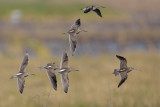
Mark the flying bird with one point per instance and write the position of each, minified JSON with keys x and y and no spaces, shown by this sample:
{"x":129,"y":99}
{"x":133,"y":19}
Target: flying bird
{"x":94,"y":8}
{"x":51,"y":67}
{"x":64,"y":70}
{"x":75,"y":28}
{"x":21,"y":74}
{"x":123,"y":70}
{"x":72,"y":32}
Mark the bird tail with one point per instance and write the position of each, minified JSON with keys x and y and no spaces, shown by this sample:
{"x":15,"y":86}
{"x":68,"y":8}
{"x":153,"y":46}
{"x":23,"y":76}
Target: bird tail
{"x":83,"y":30}
{"x":14,"y":76}
{"x":136,"y":69}
{"x":42,"y":68}
{"x":116,"y":72}
{"x":103,"y":7}
{"x":100,"y":6}
{"x":66,"y":33}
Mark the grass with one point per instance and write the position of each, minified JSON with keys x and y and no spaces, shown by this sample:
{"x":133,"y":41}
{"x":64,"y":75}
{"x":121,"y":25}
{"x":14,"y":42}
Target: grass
{"x":93,"y":85}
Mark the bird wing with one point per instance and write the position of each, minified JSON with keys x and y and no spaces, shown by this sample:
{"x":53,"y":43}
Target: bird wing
{"x":123,"y":62}
{"x":64,"y":60}
{"x":76,"y":24}
{"x":24,"y":63}
{"x":52,"y":78}
{"x":123,"y":76}
{"x":98,"y":12}
{"x":87,"y":9}
{"x":73,"y":43}
{"x":20,"y":83}
{"x":65,"y":81}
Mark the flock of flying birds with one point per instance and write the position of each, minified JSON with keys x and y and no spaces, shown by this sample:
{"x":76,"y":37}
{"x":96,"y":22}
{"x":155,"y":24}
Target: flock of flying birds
{"x":63,"y":70}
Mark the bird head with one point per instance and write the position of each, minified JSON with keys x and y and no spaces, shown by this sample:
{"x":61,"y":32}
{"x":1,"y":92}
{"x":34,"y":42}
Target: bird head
{"x":28,"y":74}
{"x":42,"y":68}
{"x":71,"y":69}
{"x":131,"y":68}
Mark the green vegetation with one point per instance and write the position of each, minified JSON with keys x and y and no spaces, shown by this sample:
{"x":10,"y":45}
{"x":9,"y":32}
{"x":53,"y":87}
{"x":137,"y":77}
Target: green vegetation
{"x":45,"y":10}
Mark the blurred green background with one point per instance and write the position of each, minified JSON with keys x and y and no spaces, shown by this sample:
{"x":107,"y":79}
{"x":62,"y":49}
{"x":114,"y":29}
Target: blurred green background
{"x":128,"y":28}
